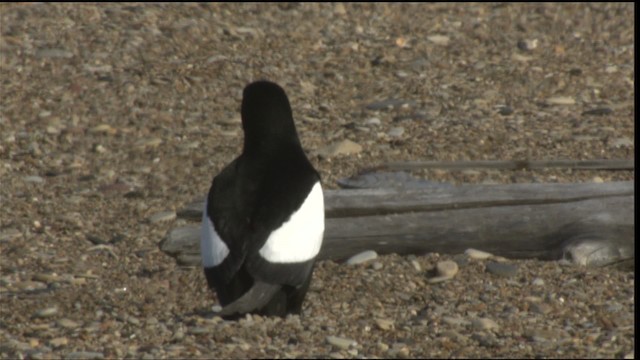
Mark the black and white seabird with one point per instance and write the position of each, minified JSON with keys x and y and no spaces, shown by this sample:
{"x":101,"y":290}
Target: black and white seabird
{"x":263,"y":219}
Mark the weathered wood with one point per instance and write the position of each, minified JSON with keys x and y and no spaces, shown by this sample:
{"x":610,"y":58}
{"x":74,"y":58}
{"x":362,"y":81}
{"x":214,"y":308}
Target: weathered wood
{"x":616,"y":164}
{"x":591,"y":223}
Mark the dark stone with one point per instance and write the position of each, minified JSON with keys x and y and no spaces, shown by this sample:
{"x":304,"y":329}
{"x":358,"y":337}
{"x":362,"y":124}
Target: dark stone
{"x":500,"y":269}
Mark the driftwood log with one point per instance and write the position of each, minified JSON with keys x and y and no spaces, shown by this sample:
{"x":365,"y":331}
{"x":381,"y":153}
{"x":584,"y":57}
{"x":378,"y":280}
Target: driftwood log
{"x":589,"y":223}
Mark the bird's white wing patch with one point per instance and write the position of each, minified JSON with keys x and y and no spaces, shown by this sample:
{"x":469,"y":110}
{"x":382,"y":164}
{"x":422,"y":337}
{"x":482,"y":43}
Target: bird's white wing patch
{"x":299,"y":238}
{"x":212,"y":249}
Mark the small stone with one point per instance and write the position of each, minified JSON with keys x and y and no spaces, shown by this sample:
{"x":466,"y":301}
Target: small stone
{"x":9,"y":234}
{"x":501,"y":269}
{"x":541,"y":308}
{"x":34,"y":179}
{"x":396,"y":132}
{"x":377,"y":265}
{"x":484,"y":324}
{"x":196,"y":330}
{"x":362,"y":257}
{"x":538,"y":282}
{"x":339,"y":9}
{"x":521,"y":58}
{"x":29,"y":285}
{"x":446,"y":270}
{"x":382,"y":346}
{"x":505,"y":110}
{"x":528,"y":45}
{"x":384,"y":324}
{"x":455,"y":321}
{"x":438,"y":39}
{"x":46,"y":278}
{"x":340,"y":342}
{"x":344,"y":147}
{"x":58,"y":342}
{"x":561,"y":100}
{"x":89,"y":355}
{"x":597,"y":180}
{"x":67,"y":324}
{"x":162,"y":216}
{"x":389,"y":104}
{"x":47,"y":312}
{"x":373,"y":122}
{"x":103,"y":128}
{"x":601,"y":111}
{"x":477,"y":254}
{"x":416,"y":265}
{"x":148,"y":143}
{"x":53,"y":53}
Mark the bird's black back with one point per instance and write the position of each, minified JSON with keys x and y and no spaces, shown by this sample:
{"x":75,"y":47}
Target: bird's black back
{"x":254,"y":195}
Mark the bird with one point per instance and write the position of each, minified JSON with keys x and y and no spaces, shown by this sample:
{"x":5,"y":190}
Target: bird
{"x":263,"y":218}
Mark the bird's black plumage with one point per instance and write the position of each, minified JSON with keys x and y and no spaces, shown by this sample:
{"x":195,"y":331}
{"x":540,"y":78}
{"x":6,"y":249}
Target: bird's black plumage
{"x":251,"y":198}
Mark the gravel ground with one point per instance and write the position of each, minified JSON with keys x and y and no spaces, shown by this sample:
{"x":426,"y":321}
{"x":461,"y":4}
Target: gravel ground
{"x":112,"y":117}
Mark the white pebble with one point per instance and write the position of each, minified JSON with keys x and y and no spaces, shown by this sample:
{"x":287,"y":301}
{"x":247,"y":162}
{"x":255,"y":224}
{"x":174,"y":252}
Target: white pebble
{"x":477,"y":254}
{"x":538,"y":282}
{"x":340,"y":342}
{"x":362,"y":257}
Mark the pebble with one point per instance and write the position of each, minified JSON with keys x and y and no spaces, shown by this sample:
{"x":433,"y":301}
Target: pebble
{"x":446,"y":270}
{"x":541,"y":308}
{"x":505,"y":110}
{"x":196,"y":330}
{"x":455,"y":321}
{"x":396,"y":132}
{"x":46,"y":278}
{"x":344,"y":147}
{"x":9,"y":234}
{"x":438,"y":39}
{"x":84,"y":355}
{"x":67,"y":323}
{"x":53,"y":53}
{"x":477,"y":254}
{"x":501,"y":269}
{"x":561,"y":100}
{"x":162,"y":216}
{"x":377,"y":265}
{"x":389,"y":104}
{"x":29,"y":285}
{"x":47,"y":312}
{"x":538,"y":282}
{"x":484,"y":324}
{"x":416,"y":265}
{"x":59,"y":342}
{"x":34,"y":179}
{"x":362,"y":257}
{"x":601,"y":111}
{"x":384,"y":324}
{"x":528,"y":45}
{"x":373,"y":122}
{"x":340,"y":342}
{"x":382,"y":346}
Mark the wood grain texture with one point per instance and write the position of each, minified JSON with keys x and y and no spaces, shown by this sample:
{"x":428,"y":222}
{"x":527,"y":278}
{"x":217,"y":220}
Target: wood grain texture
{"x":590,"y":223}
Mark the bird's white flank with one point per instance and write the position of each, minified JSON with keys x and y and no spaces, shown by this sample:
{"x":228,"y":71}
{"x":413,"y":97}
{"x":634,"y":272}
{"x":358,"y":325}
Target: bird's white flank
{"x":212,"y":249}
{"x":299,"y":238}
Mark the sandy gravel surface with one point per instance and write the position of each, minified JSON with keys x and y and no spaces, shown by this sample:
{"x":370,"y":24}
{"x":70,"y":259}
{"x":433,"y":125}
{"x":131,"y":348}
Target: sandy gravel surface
{"x":112,"y":117}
